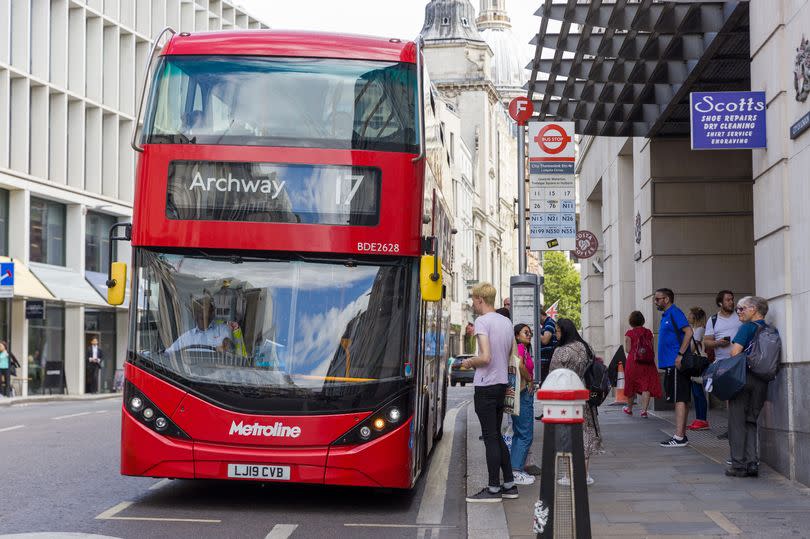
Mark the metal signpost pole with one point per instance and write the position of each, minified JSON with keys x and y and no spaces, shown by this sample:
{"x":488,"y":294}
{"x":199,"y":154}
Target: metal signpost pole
{"x":521,"y":198}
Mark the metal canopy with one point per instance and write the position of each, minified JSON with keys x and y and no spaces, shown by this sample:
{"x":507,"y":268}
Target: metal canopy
{"x":626,"y":67}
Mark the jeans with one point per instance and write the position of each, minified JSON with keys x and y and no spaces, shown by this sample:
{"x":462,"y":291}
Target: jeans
{"x":523,"y":426}
{"x":488,"y":401}
{"x":699,"y":397}
{"x":743,"y":412}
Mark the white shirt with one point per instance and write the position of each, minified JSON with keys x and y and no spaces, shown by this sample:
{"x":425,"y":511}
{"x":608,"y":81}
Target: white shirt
{"x":212,"y":336}
{"x":726,"y":327}
{"x":95,"y":351}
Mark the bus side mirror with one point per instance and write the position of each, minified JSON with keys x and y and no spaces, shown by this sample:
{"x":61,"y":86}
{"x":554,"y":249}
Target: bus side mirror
{"x":117,"y":283}
{"x":430,"y":278}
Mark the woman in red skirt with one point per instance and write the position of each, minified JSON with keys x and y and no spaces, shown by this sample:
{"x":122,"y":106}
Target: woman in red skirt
{"x":640,"y":373}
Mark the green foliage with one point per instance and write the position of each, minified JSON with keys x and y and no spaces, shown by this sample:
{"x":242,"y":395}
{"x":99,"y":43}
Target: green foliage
{"x":562,"y":283}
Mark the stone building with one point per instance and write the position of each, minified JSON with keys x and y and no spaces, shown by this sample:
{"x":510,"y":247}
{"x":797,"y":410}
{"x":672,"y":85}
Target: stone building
{"x":693,"y":221}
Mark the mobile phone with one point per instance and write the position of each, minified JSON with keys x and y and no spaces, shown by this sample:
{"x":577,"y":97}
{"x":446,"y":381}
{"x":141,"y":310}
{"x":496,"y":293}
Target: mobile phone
{"x":727,"y":338}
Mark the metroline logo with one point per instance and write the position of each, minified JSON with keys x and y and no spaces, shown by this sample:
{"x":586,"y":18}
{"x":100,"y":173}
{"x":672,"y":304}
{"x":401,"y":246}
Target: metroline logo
{"x":277,"y":430}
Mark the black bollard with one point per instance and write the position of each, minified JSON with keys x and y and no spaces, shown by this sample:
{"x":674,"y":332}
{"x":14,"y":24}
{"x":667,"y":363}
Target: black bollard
{"x":562,"y":509}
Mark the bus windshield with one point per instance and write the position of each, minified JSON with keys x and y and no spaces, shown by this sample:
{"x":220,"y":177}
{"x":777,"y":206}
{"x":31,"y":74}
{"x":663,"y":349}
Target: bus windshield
{"x":273,"y":335}
{"x":290,"y":102}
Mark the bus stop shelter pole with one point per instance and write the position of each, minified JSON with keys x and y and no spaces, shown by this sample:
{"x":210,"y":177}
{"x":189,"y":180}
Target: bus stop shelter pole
{"x":521,"y":197}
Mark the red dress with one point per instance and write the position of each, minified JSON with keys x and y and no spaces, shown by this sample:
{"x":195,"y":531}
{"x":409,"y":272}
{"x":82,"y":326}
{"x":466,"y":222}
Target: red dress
{"x":640,"y":377}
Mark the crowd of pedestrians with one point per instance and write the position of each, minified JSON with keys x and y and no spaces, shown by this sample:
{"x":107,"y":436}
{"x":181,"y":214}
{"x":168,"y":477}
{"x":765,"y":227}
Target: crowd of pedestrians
{"x":498,"y":342}
{"x":722,"y":336}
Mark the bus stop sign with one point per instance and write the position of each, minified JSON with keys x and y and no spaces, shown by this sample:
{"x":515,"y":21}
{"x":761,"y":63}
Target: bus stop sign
{"x":7,"y":280}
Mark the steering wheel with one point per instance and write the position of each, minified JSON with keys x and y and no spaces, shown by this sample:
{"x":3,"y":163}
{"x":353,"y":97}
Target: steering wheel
{"x":198,"y":347}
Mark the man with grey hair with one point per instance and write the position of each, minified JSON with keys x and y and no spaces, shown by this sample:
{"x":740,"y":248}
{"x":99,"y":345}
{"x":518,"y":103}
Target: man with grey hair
{"x":744,"y":408}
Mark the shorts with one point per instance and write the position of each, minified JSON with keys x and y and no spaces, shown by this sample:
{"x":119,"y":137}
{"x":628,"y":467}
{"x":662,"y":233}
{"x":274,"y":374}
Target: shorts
{"x":677,"y":387}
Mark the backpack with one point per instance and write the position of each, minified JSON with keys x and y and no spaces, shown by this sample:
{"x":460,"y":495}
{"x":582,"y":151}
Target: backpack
{"x":596,"y":381}
{"x":644,"y":350}
{"x":764,"y":352}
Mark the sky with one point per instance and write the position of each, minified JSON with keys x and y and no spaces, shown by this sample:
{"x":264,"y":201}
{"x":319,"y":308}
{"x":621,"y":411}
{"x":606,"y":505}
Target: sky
{"x":387,"y":18}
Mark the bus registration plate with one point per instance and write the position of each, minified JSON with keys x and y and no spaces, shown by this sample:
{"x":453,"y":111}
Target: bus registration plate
{"x":254,"y":471}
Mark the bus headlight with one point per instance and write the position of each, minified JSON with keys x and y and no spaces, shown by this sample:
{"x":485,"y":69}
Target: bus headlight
{"x":365,"y":433}
{"x":136,"y":404}
{"x":148,"y":414}
{"x":394,"y":415}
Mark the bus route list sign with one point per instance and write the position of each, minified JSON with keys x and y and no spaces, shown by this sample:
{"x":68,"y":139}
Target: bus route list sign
{"x":552,"y":186}
{"x":728,"y":120}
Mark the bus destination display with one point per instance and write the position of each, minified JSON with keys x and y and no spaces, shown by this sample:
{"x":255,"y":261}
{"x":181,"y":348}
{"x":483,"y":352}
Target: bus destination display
{"x":273,"y":193}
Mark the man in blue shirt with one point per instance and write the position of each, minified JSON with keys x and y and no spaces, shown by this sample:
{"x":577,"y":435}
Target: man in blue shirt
{"x":674,"y":339}
{"x":548,"y":342}
{"x":745,"y":406}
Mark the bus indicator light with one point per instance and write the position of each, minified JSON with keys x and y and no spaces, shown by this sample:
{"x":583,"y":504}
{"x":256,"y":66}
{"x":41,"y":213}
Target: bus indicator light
{"x":379,"y":423}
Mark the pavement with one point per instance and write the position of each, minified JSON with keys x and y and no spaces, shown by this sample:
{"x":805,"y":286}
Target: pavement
{"x":644,"y":490}
{"x":11,"y":401}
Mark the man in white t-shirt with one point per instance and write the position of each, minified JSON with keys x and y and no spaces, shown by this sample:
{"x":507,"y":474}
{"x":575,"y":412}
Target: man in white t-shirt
{"x":496,"y":344}
{"x":722,"y":327}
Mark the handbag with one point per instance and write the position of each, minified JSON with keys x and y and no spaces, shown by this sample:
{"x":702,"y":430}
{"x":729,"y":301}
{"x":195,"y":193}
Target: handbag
{"x":511,"y":402}
{"x":726,"y":377}
{"x":692,"y":363}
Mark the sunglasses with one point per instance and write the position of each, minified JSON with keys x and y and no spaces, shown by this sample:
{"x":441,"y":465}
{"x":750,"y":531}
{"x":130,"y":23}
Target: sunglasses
{"x":740,"y":308}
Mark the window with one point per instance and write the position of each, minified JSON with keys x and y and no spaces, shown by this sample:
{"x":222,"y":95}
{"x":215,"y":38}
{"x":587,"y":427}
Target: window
{"x":316,"y":103}
{"x":46,"y":351}
{"x":465,"y":22}
{"x":452,"y":146}
{"x":3,"y":222}
{"x":97,"y":238}
{"x":47,"y":232}
{"x":445,"y":21}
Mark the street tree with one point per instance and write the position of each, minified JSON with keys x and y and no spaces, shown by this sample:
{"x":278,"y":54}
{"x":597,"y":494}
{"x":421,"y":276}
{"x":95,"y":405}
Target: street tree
{"x":562,"y":283}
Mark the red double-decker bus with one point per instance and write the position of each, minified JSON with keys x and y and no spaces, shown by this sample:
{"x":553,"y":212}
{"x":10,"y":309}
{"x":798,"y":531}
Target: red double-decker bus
{"x":289,"y":238}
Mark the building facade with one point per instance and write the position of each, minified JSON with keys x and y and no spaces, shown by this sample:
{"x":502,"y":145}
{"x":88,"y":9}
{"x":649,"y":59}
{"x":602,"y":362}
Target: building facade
{"x":70,"y":77}
{"x":702,"y":221}
{"x":462,"y":64}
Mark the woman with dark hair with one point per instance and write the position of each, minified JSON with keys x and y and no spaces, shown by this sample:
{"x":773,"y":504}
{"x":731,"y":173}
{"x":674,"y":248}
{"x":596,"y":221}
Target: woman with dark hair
{"x":574,"y":353}
{"x":523,"y":424}
{"x":8,"y":366}
{"x":640,"y":372}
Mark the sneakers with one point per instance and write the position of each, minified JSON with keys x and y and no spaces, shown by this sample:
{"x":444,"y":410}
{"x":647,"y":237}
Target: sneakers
{"x":510,"y":493}
{"x":723,"y":436}
{"x":736,"y":472}
{"x":644,"y":414}
{"x":672,"y":442}
{"x":590,"y":481}
{"x":532,"y":469}
{"x":485,"y":496}
{"x":522,"y":478}
{"x":626,"y":410}
{"x":699,"y":424}
{"x":564,"y":481}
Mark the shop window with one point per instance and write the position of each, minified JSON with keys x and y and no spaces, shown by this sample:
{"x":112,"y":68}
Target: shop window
{"x":97,"y":241}
{"x":46,"y":352}
{"x":47,"y":232}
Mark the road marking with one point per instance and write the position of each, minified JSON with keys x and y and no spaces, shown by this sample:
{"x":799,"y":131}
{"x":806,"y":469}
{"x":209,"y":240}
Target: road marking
{"x":112,"y":512}
{"x":71,"y":415}
{"x":431,"y":507}
{"x":160,"y":484}
{"x":721,"y":520}
{"x":15,"y":427}
{"x":281,"y":531}
{"x":102,"y":412}
{"x":409,"y":526}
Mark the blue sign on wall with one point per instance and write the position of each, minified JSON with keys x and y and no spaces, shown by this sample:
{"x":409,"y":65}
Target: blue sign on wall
{"x":728,"y":120}
{"x":7,"y":280}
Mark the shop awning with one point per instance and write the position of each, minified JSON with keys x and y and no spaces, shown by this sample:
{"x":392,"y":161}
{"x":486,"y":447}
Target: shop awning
{"x":67,"y":285}
{"x":99,"y":283}
{"x":26,"y":285}
{"x":626,"y":67}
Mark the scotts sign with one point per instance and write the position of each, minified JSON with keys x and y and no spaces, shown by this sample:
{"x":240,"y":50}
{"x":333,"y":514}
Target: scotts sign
{"x":551,"y":148}
{"x":728,"y":120}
